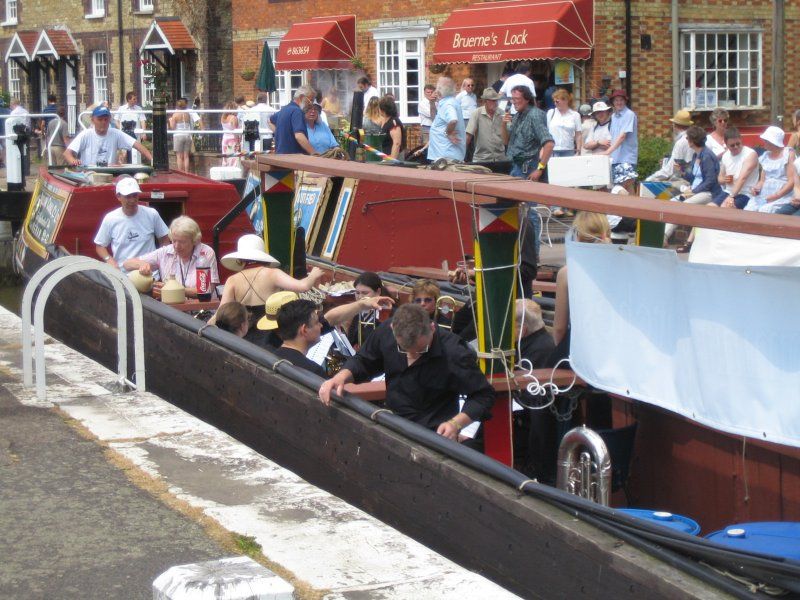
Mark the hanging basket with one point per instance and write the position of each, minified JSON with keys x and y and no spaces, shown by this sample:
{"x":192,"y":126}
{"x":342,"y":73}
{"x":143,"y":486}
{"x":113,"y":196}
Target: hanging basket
{"x":437,"y":69}
{"x":247,"y":75}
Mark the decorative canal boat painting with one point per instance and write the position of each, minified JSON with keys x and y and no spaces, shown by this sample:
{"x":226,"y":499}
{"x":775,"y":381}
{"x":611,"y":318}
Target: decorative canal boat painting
{"x":375,"y":217}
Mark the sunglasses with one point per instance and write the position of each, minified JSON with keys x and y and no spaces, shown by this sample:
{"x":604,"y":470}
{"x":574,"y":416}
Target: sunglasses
{"x":401,"y":351}
{"x":424,"y":300}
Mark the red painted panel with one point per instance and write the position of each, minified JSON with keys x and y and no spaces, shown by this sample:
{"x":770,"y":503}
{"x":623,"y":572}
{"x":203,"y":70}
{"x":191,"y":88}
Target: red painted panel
{"x":403,"y":225}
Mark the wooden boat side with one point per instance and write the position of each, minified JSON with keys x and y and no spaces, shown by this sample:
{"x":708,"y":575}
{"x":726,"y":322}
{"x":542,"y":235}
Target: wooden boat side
{"x":522,"y":543}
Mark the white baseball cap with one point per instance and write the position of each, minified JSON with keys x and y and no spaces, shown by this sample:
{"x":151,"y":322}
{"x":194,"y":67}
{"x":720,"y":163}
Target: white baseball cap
{"x":127,"y":186}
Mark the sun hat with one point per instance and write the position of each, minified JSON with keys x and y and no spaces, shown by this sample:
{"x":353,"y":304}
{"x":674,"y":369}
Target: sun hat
{"x":101,"y":111}
{"x":127,"y":186}
{"x":682,"y":117}
{"x":773,"y":135}
{"x":249,"y":104}
{"x":490,"y":94}
{"x":620,"y":93}
{"x":249,"y":248}
{"x":600,"y":107}
{"x":585,"y":110}
{"x":273,"y":304}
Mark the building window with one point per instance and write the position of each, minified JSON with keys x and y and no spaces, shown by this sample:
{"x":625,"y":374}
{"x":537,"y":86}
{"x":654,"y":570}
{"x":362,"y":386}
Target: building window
{"x":98,"y":8}
{"x":286,"y":82}
{"x":721,"y":68}
{"x":14,"y":85}
{"x":401,"y":63}
{"x":148,"y":83}
{"x":11,"y":12}
{"x":100,"y":76}
{"x":146,"y":5}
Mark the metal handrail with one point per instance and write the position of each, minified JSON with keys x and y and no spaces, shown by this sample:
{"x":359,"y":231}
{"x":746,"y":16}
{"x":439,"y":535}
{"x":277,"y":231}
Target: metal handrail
{"x":53,"y":272}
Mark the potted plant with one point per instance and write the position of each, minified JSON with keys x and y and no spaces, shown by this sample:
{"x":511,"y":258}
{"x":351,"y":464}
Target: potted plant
{"x":436,"y":69}
{"x":247,"y":74}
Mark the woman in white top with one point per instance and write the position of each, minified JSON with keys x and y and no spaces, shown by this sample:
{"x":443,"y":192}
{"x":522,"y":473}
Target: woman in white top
{"x":715,"y":141}
{"x":564,"y":125}
{"x":181,"y":142}
{"x":599,"y":138}
{"x":775,"y":186}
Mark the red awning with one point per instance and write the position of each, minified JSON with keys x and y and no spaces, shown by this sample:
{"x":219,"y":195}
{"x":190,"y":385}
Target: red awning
{"x":321,"y":43}
{"x":517,"y":30}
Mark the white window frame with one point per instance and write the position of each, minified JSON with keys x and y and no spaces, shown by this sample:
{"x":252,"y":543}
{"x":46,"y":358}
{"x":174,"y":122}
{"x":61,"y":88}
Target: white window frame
{"x":148,"y":86}
{"x":11,"y":12}
{"x":99,"y":76}
{"x":146,"y":6}
{"x":98,"y":9}
{"x":14,"y":79}
{"x":386,"y":35}
{"x":732,"y":45}
{"x":286,"y":82}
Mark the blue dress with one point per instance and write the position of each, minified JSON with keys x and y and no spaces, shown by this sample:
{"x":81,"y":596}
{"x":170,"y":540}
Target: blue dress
{"x":774,"y":179}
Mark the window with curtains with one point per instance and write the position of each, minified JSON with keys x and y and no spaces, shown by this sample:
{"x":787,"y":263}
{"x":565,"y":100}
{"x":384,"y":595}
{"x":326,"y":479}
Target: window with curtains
{"x":401,"y":67}
{"x":100,"y":75}
{"x":14,"y":84}
{"x":721,"y":67}
{"x":11,"y":12}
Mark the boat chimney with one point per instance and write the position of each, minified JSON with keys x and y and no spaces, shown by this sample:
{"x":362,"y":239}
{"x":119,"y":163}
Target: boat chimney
{"x":160,"y":144}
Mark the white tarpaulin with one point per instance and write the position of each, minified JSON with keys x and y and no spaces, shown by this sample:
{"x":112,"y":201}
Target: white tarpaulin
{"x":717,"y":344}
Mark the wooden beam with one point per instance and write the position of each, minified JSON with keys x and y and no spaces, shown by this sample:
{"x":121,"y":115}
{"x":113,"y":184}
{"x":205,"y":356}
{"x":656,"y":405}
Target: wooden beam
{"x":501,"y":186}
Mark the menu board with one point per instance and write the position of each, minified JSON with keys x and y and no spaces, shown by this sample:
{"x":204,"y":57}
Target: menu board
{"x":48,"y":206}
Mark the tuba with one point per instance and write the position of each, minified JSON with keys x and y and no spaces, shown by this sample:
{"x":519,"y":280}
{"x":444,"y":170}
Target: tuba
{"x":584,"y":465}
{"x":446,"y":308}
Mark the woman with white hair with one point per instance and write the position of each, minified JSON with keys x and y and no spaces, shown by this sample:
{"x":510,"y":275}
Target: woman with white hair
{"x":180,"y":259}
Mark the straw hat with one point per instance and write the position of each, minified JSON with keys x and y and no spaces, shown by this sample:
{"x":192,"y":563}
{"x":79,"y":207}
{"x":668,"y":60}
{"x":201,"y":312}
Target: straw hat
{"x":249,"y":248}
{"x":490,"y":94}
{"x":273,"y":304}
{"x":773,"y":135}
{"x":683,"y":118}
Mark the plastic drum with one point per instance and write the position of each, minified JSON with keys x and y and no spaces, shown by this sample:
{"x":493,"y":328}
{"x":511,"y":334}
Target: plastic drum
{"x":667,"y":519}
{"x":780,"y":539}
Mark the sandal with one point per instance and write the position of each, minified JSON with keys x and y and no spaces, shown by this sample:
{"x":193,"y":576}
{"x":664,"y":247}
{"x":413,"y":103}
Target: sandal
{"x":684,"y":249}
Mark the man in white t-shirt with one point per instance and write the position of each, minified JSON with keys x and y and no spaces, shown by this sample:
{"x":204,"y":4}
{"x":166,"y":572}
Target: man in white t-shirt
{"x":131,"y":230}
{"x":131,"y":116}
{"x":521,"y":76}
{"x":738,"y":172}
{"x":262,"y":112}
{"x":100,"y":144}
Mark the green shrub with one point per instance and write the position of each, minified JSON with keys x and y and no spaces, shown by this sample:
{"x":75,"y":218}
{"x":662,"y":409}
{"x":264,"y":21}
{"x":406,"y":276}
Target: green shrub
{"x":651,"y":151}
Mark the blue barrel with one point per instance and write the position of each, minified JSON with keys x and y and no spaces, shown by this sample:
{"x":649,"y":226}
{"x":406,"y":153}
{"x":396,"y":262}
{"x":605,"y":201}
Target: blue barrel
{"x":781,"y":539}
{"x":667,"y":519}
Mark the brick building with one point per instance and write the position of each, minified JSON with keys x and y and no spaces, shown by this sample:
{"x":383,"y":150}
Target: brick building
{"x":94,"y":50}
{"x":729,"y":54}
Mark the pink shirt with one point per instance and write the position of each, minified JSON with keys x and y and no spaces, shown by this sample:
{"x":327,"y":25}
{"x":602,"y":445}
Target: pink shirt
{"x":169,"y":263}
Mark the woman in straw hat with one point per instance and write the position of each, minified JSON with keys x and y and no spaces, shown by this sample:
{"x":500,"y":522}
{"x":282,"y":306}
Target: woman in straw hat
{"x":257,"y":279}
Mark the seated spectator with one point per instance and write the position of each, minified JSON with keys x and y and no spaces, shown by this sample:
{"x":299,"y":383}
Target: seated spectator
{"x":180,"y":259}
{"x":299,"y":327}
{"x":681,"y":155}
{"x":774,"y":188}
{"x":268,"y":324}
{"x":359,"y":318}
{"x":427,"y":369}
{"x":715,"y":141}
{"x":793,"y":208}
{"x":704,"y":173}
{"x":319,"y":134}
{"x":588,"y":228}
{"x":257,"y":279}
{"x":738,"y":172}
{"x":232,"y":317}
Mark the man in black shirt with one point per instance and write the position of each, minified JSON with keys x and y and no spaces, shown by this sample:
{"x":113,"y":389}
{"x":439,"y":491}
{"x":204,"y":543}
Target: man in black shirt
{"x":299,"y":328}
{"x":427,"y":369}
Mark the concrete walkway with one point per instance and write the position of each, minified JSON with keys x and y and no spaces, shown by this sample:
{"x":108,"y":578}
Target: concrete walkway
{"x":100,"y":492}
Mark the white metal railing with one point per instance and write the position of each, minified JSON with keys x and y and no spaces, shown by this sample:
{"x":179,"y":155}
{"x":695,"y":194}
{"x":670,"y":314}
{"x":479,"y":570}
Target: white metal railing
{"x":50,"y":275}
